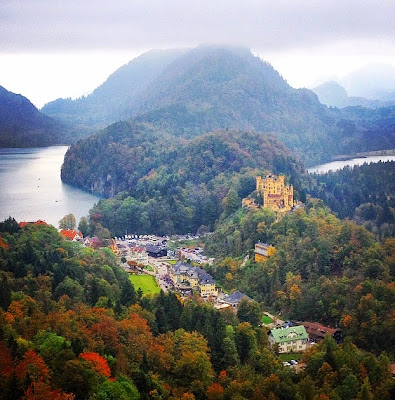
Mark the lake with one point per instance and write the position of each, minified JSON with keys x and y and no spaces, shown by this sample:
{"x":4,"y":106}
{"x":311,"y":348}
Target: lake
{"x":31,"y":188}
{"x":336,"y":165}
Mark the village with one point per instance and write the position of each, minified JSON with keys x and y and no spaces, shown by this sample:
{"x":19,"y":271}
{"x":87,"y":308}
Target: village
{"x":158,"y":263}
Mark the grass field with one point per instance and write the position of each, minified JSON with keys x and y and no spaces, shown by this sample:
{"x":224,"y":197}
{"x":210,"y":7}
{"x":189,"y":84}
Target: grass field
{"x":266,"y":319}
{"x":172,"y":262}
{"x":147,"y":283}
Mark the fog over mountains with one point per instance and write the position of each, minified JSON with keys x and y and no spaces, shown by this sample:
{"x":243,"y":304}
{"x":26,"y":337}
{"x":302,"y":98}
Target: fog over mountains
{"x":189,"y":92}
{"x":193,"y":91}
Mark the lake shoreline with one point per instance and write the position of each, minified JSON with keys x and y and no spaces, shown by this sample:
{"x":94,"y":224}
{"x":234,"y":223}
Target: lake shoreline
{"x":351,"y":162}
{"x":345,"y":157}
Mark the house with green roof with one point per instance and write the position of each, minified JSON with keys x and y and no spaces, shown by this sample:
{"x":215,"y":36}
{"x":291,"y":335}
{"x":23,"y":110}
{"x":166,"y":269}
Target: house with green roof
{"x":292,"y":339}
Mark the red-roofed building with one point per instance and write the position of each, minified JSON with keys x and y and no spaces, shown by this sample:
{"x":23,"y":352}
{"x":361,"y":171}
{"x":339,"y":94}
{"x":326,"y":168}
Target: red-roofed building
{"x":40,"y":222}
{"x":72,"y":235}
{"x":22,"y":224}
{"x":317,"y":331}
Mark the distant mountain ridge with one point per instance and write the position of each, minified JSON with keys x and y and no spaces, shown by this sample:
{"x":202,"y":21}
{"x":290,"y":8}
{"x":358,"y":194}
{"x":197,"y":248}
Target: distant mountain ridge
{"x":109,"y":102}
{"x":333,"y":94}
{"x":23,"y":125}
{"x":190,"y":92}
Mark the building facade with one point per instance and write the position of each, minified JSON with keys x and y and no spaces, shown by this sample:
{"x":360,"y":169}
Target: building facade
{"x":263,"y":251}
{"x":156,"y":251}
{"x":293,"y":339}
{"x":184,"y":275}
{"x":276,"y":195}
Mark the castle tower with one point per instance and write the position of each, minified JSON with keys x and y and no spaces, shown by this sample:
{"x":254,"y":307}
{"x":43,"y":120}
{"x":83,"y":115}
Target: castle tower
{"x":276,"y":195}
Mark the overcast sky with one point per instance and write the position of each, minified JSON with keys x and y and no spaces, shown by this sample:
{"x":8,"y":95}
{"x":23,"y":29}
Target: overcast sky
{"x":66,"y":48}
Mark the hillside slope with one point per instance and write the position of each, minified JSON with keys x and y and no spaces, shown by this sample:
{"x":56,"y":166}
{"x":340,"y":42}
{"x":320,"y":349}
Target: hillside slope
{"x":22,"y":125}
{"x":333,"y":94}
{"x":109,"y":102}
{"x":190,"y":92}
{"x":168,"y":185}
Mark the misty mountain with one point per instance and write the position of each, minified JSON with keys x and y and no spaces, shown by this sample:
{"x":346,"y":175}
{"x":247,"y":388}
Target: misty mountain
{"x":373,"y":81}
{"x":333,"y":94}
{"x":113,"y":100}
{"x":22,"y":125}
{"x":190,"y":92}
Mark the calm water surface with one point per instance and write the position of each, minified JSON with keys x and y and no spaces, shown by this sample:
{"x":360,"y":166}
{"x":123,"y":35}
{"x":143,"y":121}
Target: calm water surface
{"x":31,"y":189}
{"x":336,"y":165}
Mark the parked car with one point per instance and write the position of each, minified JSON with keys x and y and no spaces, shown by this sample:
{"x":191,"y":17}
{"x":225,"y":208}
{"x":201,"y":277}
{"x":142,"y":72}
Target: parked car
{"x":286,"y":364}
{"x":294,"y":362}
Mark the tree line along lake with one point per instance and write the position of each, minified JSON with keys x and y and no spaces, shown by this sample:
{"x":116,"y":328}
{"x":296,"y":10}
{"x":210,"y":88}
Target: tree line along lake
{"x":31,"y":187}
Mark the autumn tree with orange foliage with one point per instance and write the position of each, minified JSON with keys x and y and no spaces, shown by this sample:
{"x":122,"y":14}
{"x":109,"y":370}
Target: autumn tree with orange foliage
{"x":98,"y":362}
{"x":42,"y":391}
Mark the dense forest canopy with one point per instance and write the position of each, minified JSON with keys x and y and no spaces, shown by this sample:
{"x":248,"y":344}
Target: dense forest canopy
{"x":324,"y":269}
{"x":364,"y":193}
{"x":73,"y":327}
{"x":173,"y":186}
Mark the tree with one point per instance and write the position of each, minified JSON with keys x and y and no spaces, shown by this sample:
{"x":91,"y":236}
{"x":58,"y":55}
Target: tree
{"x":68,"y":222}
{"x":231,"y":201}
{"x":215,"y":392}
{"x":6,"y":371}
{"x":246,"y":342}
{"x":98,"y":362}
{"x":365,"y":393}
{"x":9,"y":225}
{"x":5,"y":293}
{"x":43,"y":391}
{"x":79,"y":378}
{"x":230,"y":358}
{"x":249,"y":311}
{"x":128,"y":294}
{"x":83,"y":226}
{"x":121,"y":389}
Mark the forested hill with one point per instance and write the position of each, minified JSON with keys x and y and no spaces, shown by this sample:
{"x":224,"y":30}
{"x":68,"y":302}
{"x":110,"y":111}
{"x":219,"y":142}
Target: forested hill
{"x":333,"y":94}
{"x":324,"y":269}
{"x":194,"y":91}
{"x":365,"y":193}
{"x":22,"y":125}
{"x":73,"y":327}
{"x":110,"y":101}
{"x":172,"y":185}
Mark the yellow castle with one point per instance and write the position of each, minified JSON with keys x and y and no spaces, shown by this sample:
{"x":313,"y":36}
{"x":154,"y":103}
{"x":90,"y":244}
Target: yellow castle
{"x":276,"y":195}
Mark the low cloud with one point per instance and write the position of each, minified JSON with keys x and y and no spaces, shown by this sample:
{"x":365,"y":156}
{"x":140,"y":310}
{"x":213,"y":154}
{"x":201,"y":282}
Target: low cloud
{"x":73,"y":25}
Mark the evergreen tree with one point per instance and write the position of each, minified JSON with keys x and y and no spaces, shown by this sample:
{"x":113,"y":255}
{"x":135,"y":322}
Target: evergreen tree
{"x":5,"y":293}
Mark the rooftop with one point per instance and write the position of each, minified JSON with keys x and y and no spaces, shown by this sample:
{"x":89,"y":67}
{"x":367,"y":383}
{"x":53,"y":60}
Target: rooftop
{"x":314,"y":328}
{"x":70,"y":233}
{"x":236,"y":297}
{"x":282,"y":335}
{"x":152,"y":248}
